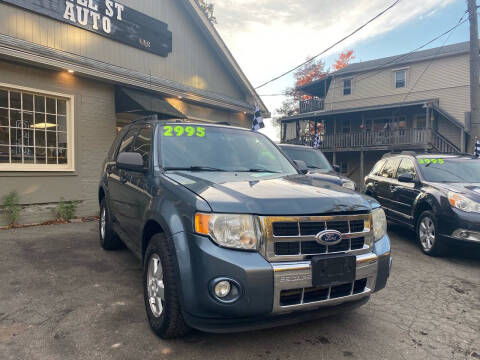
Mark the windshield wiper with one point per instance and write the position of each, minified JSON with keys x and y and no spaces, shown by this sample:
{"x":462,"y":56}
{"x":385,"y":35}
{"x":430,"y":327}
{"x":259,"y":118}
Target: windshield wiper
{"x":314,"y":167}
{"x":193,"y":168}
{"x":261,"y":171}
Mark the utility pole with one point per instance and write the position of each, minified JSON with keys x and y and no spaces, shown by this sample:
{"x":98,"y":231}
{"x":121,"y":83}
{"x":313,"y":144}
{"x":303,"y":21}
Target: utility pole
{"x":474,"y":73}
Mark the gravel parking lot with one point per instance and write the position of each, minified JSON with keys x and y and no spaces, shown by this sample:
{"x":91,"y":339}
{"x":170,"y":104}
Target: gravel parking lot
{"x":61,"y":297}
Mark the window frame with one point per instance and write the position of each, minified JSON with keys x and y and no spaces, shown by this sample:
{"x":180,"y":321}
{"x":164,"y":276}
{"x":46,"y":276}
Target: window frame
{"x":150,"y":151}
{"x":70,"y":130}
{"x":395,"y":72}
{"x":351,"y":86}
{"x":413,"y":166}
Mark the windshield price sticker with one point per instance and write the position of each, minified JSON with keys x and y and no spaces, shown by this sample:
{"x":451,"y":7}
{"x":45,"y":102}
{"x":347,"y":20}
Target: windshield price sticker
{"x":431,"y":161}
{"x":189,"y":131}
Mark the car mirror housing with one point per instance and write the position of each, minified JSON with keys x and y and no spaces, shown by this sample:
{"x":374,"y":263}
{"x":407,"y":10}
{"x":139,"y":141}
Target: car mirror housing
{"x":336,"y":168}
{"x":406,"y":178}
{"x":130,"y":161}
{"x":301,"y":166}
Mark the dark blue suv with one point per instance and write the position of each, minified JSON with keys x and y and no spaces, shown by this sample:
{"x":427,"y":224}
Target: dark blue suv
{"x":231,"y":236}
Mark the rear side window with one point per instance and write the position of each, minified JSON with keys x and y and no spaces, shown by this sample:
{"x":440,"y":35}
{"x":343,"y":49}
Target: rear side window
{"x":390,"y":169}
{"x":143,"y":144}
{"x":377,"y":168}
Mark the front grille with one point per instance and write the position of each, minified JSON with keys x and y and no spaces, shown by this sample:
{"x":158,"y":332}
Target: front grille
{"x":283,"y":248}
{"x":318,"y":294}
{"x":293,"y":237}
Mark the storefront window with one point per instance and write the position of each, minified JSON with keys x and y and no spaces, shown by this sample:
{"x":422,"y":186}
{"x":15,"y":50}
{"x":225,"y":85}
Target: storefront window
{"x":33,"y":131}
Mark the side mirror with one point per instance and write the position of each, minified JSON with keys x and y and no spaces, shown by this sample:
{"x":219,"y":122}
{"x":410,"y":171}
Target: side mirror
{"x":336,"y":168}
{"x":301,"y":166}
{"x":131,"y":161}
{"x":406,"y":178}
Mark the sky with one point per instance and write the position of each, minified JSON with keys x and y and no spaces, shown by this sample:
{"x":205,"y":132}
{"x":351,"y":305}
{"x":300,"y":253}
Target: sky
{"x":269,"y":37}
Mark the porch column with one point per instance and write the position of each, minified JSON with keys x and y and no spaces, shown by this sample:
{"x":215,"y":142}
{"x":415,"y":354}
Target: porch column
{"x":334,"y":158}
{"x":462,"y":140}
{"x":362,"y":170}
{"x":297,"y":130}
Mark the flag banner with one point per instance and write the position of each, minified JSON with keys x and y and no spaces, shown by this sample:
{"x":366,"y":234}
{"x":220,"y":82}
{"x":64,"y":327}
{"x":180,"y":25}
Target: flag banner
{"x":257,"y":120}
{"x":477,"y":148}
{"x":316,"y":142}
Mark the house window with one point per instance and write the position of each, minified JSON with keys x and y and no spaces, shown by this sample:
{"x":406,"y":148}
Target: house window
{"x":347,"y":87}
{"x":34,"y":131}
{"x":400,"y":79}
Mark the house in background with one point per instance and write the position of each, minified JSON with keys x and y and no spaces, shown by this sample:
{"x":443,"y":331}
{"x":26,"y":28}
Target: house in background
{"x":418,"y":101}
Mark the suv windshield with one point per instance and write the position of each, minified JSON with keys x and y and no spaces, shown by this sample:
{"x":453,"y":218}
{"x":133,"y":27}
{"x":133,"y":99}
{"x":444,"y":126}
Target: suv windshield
{"x":209,"y":148}
{"x":450,"y":170}
{"x":314,"y":159}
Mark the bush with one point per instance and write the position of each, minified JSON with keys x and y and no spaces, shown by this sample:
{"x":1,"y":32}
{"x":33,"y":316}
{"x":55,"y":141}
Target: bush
{"x":66,"y":210}
{"x":11,"y":207}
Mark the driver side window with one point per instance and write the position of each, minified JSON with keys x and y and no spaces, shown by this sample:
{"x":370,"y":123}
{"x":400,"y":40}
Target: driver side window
{"x":406,"y":167}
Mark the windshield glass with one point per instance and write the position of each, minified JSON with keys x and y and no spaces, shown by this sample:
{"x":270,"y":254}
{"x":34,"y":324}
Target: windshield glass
{"x":450,"y":170}
{"x":209,"y":148}
{"x":314,"y":159}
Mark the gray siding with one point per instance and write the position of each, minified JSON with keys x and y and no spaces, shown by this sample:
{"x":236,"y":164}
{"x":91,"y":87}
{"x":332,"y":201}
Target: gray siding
{"x":446,"y":79}
{"x":193,"y":62}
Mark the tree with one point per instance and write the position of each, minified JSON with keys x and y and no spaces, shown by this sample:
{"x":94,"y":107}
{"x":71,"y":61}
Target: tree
{"x":313,"y":70}
{"x":209,"y":10}
{"x":343,"y":60}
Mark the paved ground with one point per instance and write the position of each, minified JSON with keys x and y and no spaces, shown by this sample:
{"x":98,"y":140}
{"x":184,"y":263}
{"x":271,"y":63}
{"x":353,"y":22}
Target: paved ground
{"x":61,"y":297}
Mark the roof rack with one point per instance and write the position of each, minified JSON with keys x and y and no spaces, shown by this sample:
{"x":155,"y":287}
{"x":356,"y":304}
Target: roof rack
{"x":155,"y":117}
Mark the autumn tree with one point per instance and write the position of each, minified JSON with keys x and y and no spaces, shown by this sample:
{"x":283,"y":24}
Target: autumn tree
{"x":343,"y":60}
{"x":209,"y":10}
{"x":311,"y":71}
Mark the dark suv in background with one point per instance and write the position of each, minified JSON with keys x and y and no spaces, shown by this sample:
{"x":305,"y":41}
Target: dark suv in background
{"x":437,"y":195}
{"x":317,"y":164}
{"x":231,"y":235}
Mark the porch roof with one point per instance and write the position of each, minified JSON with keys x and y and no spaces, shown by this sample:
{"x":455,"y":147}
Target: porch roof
{"x":321,"y":113}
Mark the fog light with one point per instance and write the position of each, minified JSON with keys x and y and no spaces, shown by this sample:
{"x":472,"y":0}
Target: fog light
{"x":222,"y":289}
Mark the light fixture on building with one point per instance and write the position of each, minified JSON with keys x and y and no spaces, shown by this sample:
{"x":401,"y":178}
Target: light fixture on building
{"x":180,"y":97}
{"x":44,"y":125}
{"x":71,"y":71}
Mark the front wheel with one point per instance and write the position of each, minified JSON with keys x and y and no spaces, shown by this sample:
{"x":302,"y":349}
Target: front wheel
{"x":161,"y":289}
{"x":427,"y":235}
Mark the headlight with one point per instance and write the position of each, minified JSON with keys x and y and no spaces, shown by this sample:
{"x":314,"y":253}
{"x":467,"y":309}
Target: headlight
{"x":228,"y":230}
{"x":463,"y":203}
{"x":350,"y":185}
{"x":379,"y":223}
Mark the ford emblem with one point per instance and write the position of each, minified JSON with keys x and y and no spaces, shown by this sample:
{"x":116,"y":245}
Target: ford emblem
{"x":329,"y":237}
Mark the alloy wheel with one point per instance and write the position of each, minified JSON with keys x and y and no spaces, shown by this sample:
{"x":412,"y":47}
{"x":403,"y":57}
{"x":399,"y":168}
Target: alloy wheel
{"x":427,"y":233}
{"x":155,"y":286}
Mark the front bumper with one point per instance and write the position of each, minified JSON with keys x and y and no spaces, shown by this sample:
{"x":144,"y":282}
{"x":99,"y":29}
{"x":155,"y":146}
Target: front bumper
{"x":456,"y":225}
{"x":261,"y":284}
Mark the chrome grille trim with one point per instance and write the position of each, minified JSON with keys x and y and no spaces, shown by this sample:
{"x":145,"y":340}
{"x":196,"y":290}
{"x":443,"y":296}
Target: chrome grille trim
{"x":269,"y":239}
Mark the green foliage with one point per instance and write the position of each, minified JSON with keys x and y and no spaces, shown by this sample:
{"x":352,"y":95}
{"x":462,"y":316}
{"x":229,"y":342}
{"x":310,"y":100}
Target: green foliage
{"x":11,"y":207}
{"x":66,"y":210}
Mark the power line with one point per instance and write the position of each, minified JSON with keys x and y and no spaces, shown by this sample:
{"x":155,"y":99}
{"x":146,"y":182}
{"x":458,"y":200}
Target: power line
{"x":396,"y":59}
{"x":331,"y":46}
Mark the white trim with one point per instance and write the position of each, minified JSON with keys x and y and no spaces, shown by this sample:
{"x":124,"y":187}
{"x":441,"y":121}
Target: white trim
{"x":70,"y":167}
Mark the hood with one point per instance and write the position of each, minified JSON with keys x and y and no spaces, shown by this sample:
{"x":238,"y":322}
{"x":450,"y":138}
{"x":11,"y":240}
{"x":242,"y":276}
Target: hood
{"x":270,"y":194}
{"x":470,"y":190}
{"x":329,"y":176}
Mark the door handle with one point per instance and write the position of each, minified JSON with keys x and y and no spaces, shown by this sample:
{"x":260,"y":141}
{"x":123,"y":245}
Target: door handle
{"x":393,"y":188}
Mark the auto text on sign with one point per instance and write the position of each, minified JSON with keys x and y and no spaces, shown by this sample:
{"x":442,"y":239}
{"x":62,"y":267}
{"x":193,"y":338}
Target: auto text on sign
{"x":86,"y":12}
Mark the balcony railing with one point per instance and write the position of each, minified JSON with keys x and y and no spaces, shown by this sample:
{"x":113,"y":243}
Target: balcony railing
{"x":365,"y":139}
{"x":310,"y":105}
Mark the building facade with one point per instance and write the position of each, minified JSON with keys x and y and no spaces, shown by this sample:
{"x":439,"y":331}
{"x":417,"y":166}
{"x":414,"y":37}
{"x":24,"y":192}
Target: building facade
{"x":418,"y":101}
{"x":72,"y":72}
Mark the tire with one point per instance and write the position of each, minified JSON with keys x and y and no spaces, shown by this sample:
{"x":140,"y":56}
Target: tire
{"x":164,"y":312}
{"x":108,"y":239}
{"x":427,"y":235}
